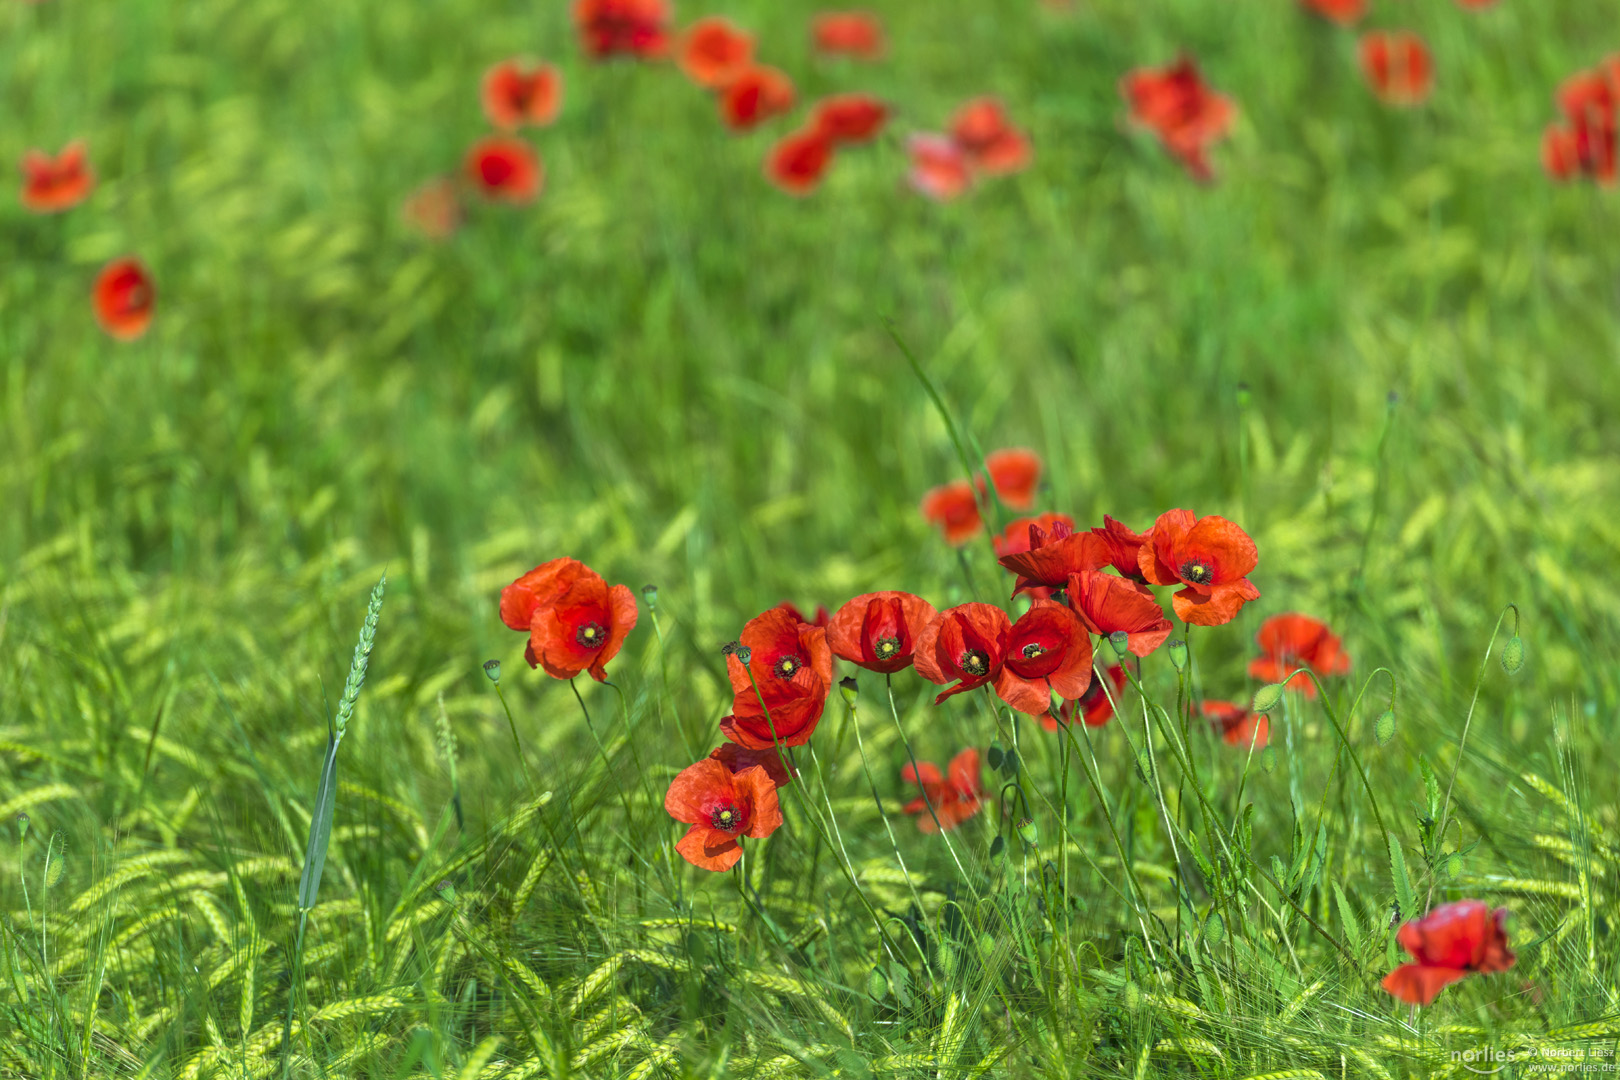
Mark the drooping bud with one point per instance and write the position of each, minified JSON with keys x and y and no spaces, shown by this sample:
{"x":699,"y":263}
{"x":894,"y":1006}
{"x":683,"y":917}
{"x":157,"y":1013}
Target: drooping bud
{"x":1009,"y":763}
{"x":1121,"y":641}
{"x":877,"y":985}
{"x":1029,"y":832}
{"x":1178,"y":654}
{"x":649,"y":593}
{"x":995,"y":754}
{"x":1268,"y":759}
{"x":997,"y":846}
{"x":850,"y":689}
{"x":55,"y":864}
{"x":1454,"y":865}
{"x":1268,"y":697}
{"x":1385,"y":728}
{"x":1513,"y":655}
{"x":492,"y":668}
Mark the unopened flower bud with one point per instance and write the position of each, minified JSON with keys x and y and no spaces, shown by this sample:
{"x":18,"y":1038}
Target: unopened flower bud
{"x":649,"y":593}
{"x":1268,"y":697}
{"x":850,"y":688}
{"x":995,"y":755}
{"x":1121,"y":641}
{"x":1178,"y":653}
{"x":1513,"y":655}
{"x":1385,"y":728}
{"x":997,"y":846}
{"x":1268,"y":759}
{"x":492,"y":668}
{"x":877,"y":985}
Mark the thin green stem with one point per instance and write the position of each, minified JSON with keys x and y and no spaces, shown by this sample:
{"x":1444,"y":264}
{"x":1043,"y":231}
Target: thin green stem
{"x":517,"y":744}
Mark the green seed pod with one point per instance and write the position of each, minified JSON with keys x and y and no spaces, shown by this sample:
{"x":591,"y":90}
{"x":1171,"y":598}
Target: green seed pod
{"x":22,"y":827}
{"x":649,"y":593}
{"x":744,"y":654}
{"x":1177,"y":649}
{"x":1385,"y":728}
{"x":995,"y":755}
{"x":1268,"y":697}
{"x":446,"y":891}
{"x":877,"y":985}
{"x":1121,"y":642}
{"x":1029,"y":832}
{"x":492,"y":668}
{"x":1268,"y":759}
{"x":1513,"y":655}
{"x":850,"y":689}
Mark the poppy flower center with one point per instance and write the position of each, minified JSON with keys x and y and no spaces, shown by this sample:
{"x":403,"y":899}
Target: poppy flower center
{"x":726,"y":818}
{"x":496,"y":170}
{"x":975,"y":662}
{"x":1197,"y":573}
{"x":886,"y":647}
{"x":1034,"y":649}
{"x":591,"y":635}
{"x":787,"y":667}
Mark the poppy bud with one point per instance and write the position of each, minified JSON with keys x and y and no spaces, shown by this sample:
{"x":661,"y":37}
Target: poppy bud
{"x":1385,"y":728}
{"x":876,"y":985}
{"x":446,"y":891}
{"x":1178,"y":654}
{"x":1215,"y":928}
{"x":744,"y":654}
{"x":997,"y":846}
{"x":1454,"y":865}
{"x":1268,"y":759}
{"x":1009,"y":763}
{"x":987,"y":945}
{"x":1121,"y":641}
{"x":1267,"y":697}
{"x":1029,"y":832}
{"x":492,"y":668}
{"x":995,"y":755}
{"x":22,"y":827}
{"x":1513,"y":655}
{"x":850,"y":688}
{"x":55,"y":864}
{"x":649,"y":593}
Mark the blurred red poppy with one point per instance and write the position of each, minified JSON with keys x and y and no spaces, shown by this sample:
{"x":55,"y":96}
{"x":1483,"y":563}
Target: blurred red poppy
{"x":954,"y":507}
{"x":722,"y":807}
{"x":1047,"y":651}
{"x":1291,"y":642}
{"x":989,"y":140}
{"x":434,"y":209}
{"x":754,"y":95}
{"x":1109,"y":604}
{"x":1236,"y":724}
{"x":962,"y":645}
{"x":953,"y":798}
{"x":1210,"y":556}
{"x":849,"y":119}
{"x":1095,"y":707}
{"x":1343,"y":12}
{"x":798,"y":161}
{"x":793,"y":609}
{"x":516,"y":92}
{"x":848,"y":33}
{"x":879,"y":631}
{"x":1053,"y":554}
{"x":123,"y":297}
{"x":1016,"y":474}
{"x":1560,"y":152}
{"x":1476,"y":5}
{"x":638,"y":28}
{"x":575,"y":621}
{"x":714,"y":50}
{"x":1450,"y":942}
{"x":939,"y":168}
{"x":792,"y":665}
{"x":1177,"y":105}
{"x":504,"y":169}
{"x":1124,"y":547}
{"x":1589,"y":142}
{"x":54,"y":184}
{"x":1398,"y":66}
{"x":737,"y":758}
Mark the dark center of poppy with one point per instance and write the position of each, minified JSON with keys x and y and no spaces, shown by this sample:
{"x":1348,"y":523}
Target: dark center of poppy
{"x":787,"y":667}
{"x":886,"y":647}
{"x":726,"y":818}
{"x":1198,"y":573}
{"x":496,"y":170}
{"x":975,"y":662}
{"x":1034,"y":649}
{"x":591,"y":635}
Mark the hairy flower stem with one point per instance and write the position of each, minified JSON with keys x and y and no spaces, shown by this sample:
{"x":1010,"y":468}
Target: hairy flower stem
{"x":517,"y":744}
{"x":894,"y":711}
{"x":866,"y":767}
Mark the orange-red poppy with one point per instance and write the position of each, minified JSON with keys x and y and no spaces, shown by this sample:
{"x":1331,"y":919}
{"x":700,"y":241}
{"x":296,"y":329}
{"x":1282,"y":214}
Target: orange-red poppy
{"x":962,"y":645}
{"x":989,"y":140}
{"x":1177,"y":105}
{"x":1343,"y":12}
{"x":1450,"y":942}
{"x":516,"y":92}
{"x":1016,"y":474}
{"x":504,"y":169}
{"x":1291,"y":642}
{"x":1047,"y":651}
{"x":737,"y":758}
{"x":879,"y":631}
{"x":798,"y":161}
{"x":123,"y":296}
{"x":53,"y":184}
{"x":754,"y":95}
{"x":1014,"y":539}
{"x":1589,"y":141}
{"x":1398,"y":66}
{"x":792,"y":609}
{"x":722,"y":807}
{"x":954,"y":507}
{"x":1237,"y":725}
{"x":790,"y":662}
{"x":1560,"y":152}
{"x":939,"y":168}
{"x":1210,"y":556}
{"x":1054,"y":553}
{"x":638,"y":28}
{"x":1476,"y":5}
{"x":954,"y":797}
{"x":434,"y":209}
{"x":848,"y":33}
{"x":1095,"y":707}
{"x":715,"y":50}
{"x":1124,"y":546}
{"x":1108,"y":604}
{"x":849,"y":119}
{"x":575,"y":621}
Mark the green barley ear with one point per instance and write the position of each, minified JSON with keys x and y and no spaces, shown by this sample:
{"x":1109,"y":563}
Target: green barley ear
{"x":362,"y":654}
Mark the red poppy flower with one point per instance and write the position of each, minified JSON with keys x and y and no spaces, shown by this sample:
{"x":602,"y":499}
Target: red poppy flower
{"x":797,"y":163}
{"x":1343,"y":12}
{"x":1014,"y":539}
{"x":1178,"y":106}
{"x":793,"y":609}
{"x":963,"y":644}
{"x":1124,"y":546}
{"x":737,"y":758}
{"x":1476,"y":5}
{"x":721,"y":807}
{"x":1045,"y":652}
{"x":848,"y":33}
{"x":575,"y":621}
{"x":992,"y":145}
{"x":1210,"y":556}
{"x":954,"y":797}
{"x":849,"y":119}
{"x":939,"y":168}
{"x":1560,"y":152}
{"x":51,"y":185}
{"x":1589,"y":143}
{"x":1292,"y":642}
{"x":954,"y":507}
{"x":879,"y":631}
{"x":714,"y":50}
{"x":1108,"y":604}
{"x":515,"y":93}
{"x":504,"y":169}
{"x":1095,"y":707}
{"x":123,"y":297}
{"x":637,"y":28}
{"x":1448,"y":943}
{"x":1052,"y":555}
{"x":792,"y":665}
{"x":1236,"y":724}
{"x":1016,"y":474}
{"x":754,"y":95}
{"x":1398,"y":66}
{"x":433,"y":209}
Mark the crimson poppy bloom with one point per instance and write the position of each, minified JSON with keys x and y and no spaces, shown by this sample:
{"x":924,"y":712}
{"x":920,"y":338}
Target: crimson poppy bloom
{"x":1014,"y":539}
{"x":754,"y":95}
{"x":963,"y":644}
{"x":721,"y":806}
{"x":1047,"y":651}
{"x":1398,"y":66}
{"x":504,"y":169}
{"x":990,"y":142}
{"x":1095,"y":707}
{"x":123,"y":296}
{"x":714,"y":50}
{"x":1108,"y":604}
{"x":575,"y":621}
{"x":848,"y":33}
{"x":793,"y":609}
{"x":1292,"y":642}
{"x":1560,"y":152}
{"x":954,"y":797}
{"x":1054,"y":554}
{"x":939,"y":168}
{"x":1016,"y":474}
{"x":1448,"y":943}
{"x":1210,"y":556}
{"x":849,"y":119}
{"x":792,"y":665}
{"x":1177,"y":105}
{"x":737,"y":758}
{"x":1124,"y":546}
{"x":54,"y":184}
{"x":798,"y":161}
{"x":638,"y":28}
{"x":1237,"y":725}
{"x":879,"y":631}
{"x":515,"y":93}
{"x":1343,"y":12}
{"x":1588,"y":142}
{"x":954,"y":507}
{"x":434,"y":210}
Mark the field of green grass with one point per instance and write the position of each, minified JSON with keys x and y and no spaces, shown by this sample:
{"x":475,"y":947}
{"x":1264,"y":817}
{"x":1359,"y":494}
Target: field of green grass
{"x":1382,"y":341}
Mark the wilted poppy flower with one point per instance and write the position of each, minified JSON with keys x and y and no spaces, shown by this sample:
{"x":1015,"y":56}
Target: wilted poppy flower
{"x":638,"y":28}
{"x":798,"y":161}
{"x":575,"y":621}
{"x":1108,"y":604}
{"x":1398,"y":66}
{"x":721,"y":806}
{"x":879,"y":631}
{"x":504,"y":169}
{"x":1178,"y":106}
{"x":1124,"y":546}
{"x":953,"y":798}
{"x":51,"y":185}
{"x":754,"y":95}
{"x":123,"y":297}
{"x":964,"y":645}
{"x":1237,"y":725}
{"x":516,"y":93}
{"x":714,"y":50}
{"x":939,"y":168}
{"x":1016,"y":474}
{"x":1053,"y":554}
{"x":954,"y":507}
{"x":792,"y":665}
{"x":433,"y":209}
{"x":1047,"y":651}
{"x":849,"y":119}
{"x":1343,"y":12}
{"x":848,"y":33}
{"x":1448,"y":943}
{"x":1095,"y":707}
{"x":1210,"y":556}
{"x":992,"y":145}
{"x":793,"y":609}
{"x":1291,"y":642}
{"x":737,"y":758}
